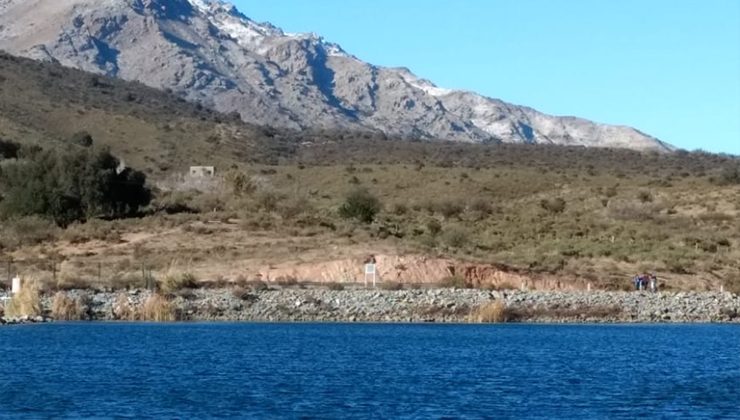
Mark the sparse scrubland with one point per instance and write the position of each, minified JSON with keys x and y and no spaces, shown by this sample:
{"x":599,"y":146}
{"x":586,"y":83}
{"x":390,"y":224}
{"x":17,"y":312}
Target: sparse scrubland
{"x":283,"y":199}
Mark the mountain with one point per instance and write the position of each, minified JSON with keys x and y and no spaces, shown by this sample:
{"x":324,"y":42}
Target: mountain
{"x":209,"y":52}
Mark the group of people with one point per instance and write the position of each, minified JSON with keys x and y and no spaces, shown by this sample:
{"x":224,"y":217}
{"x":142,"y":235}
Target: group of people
{"x":646,"y":281}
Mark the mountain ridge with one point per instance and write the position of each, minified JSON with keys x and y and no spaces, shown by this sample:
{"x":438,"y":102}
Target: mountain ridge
{"x":210,"y":52}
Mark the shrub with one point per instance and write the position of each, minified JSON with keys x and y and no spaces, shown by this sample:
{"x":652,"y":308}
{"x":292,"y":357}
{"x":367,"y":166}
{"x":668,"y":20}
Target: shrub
{"x":81,"y":138}
{"x":731,"y":283}
{"x":455,"y":237}
{"x":294,"y":207}
{"x":240,"y":183}
{"x":172,"y":283}
{"x":360,"y":205}
{"x":481,"y":206}
{"x":9,"y":149}
{"x":555,"y":205}
{"x":27,"y":302}
{"x":491,"y":312}
{"x":286,"y":281}
{"x":268,"y":200}
{"x":391,"y":285}
{"x":31,"y":230}
{"x":335,"y":286}
{"x":645,"y":197}
{"x":454,"y":282}
{"x":434,"y":227}
{"x":128,"y":280}
{"x":448,"y":208}
{"x":729,"y":175}
{"x":94,"y":229}
{"x":258,"y":285}
{"x":66,"y":308}
{"x":72,"y":282}
{"x":157,"y":308}
{"x":122,"y":309}
{"x":399,"y":209}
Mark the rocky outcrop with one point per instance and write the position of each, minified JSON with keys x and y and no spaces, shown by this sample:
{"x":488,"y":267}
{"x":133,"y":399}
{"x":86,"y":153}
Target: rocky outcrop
{"x":208,"y":51}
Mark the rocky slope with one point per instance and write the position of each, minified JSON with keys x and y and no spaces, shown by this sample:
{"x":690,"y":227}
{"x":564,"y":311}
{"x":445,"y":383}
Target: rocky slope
{"x":207,"y":51}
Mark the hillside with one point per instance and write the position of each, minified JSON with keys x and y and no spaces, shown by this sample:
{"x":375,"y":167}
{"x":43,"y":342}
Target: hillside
{"x":208,"y":51}
{"x":559,"y":216}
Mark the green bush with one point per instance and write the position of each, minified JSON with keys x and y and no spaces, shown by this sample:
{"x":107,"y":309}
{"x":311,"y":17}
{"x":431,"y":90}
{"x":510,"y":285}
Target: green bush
{"x":72,"y":185}
{"x":360,"y":205}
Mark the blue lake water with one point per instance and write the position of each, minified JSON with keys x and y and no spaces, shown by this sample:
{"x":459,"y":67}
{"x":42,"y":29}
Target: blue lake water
{"x":369,"y":371}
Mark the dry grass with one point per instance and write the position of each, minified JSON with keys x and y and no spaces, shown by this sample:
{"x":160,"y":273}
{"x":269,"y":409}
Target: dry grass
{"x":494,"y":312}
{"x":27,"y":302}
{"x":391,"y":285}
{"x":68,"y":282}
{"x":454,"y":282}
{"x":122,"y":308}
{"x":157,"y":308}
{"x":66,"y":308}
{"x":335,"y":286}
{"x":174,"y":282}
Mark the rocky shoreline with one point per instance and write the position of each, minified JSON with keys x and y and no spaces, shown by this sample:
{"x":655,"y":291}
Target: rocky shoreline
{"x":422,"y":305}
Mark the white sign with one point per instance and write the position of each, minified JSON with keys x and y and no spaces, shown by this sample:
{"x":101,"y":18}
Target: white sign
{"x":369,"y":268}
{"x":16,"y":286}
{"x":370,"y":271}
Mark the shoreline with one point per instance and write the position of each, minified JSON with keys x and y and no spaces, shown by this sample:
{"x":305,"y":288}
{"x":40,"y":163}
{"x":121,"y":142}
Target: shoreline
{"x":396,"y":306}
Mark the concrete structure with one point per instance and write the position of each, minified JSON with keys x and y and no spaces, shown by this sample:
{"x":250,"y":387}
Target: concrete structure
{"x":202,"y":171}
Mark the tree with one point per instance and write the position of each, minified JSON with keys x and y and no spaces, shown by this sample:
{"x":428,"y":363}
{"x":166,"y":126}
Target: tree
{"x":72,"y":185}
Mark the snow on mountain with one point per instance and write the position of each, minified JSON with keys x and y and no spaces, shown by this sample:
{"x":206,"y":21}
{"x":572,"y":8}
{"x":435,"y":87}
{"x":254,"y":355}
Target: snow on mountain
{"x":208,"y":51}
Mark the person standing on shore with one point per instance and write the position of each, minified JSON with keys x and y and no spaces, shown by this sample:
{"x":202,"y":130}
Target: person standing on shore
{"x":653,"y":283}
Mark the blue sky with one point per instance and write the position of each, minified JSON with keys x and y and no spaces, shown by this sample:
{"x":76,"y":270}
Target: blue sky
{"x":670,"y":68}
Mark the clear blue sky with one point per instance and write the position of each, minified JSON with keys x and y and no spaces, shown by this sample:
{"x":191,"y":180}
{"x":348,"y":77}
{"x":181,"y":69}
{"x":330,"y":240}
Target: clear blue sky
{"x":670,"y":68}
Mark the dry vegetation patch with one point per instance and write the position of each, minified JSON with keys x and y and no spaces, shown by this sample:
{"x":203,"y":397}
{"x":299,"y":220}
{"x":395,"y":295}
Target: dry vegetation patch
{"x":27,"y":302}
{"x":494,"y":312}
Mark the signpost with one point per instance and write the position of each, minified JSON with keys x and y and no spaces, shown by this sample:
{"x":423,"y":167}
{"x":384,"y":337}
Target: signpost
{"x":370,"y":271}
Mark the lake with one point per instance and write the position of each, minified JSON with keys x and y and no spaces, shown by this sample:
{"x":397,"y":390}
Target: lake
{"x":369,"y":371}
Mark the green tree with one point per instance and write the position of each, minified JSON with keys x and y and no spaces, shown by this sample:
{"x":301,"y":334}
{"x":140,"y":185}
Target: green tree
{"x":72,"y":185}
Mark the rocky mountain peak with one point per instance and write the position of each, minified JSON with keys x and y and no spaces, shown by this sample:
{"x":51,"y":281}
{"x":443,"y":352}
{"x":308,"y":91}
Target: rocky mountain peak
{"x":208,"y":51}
